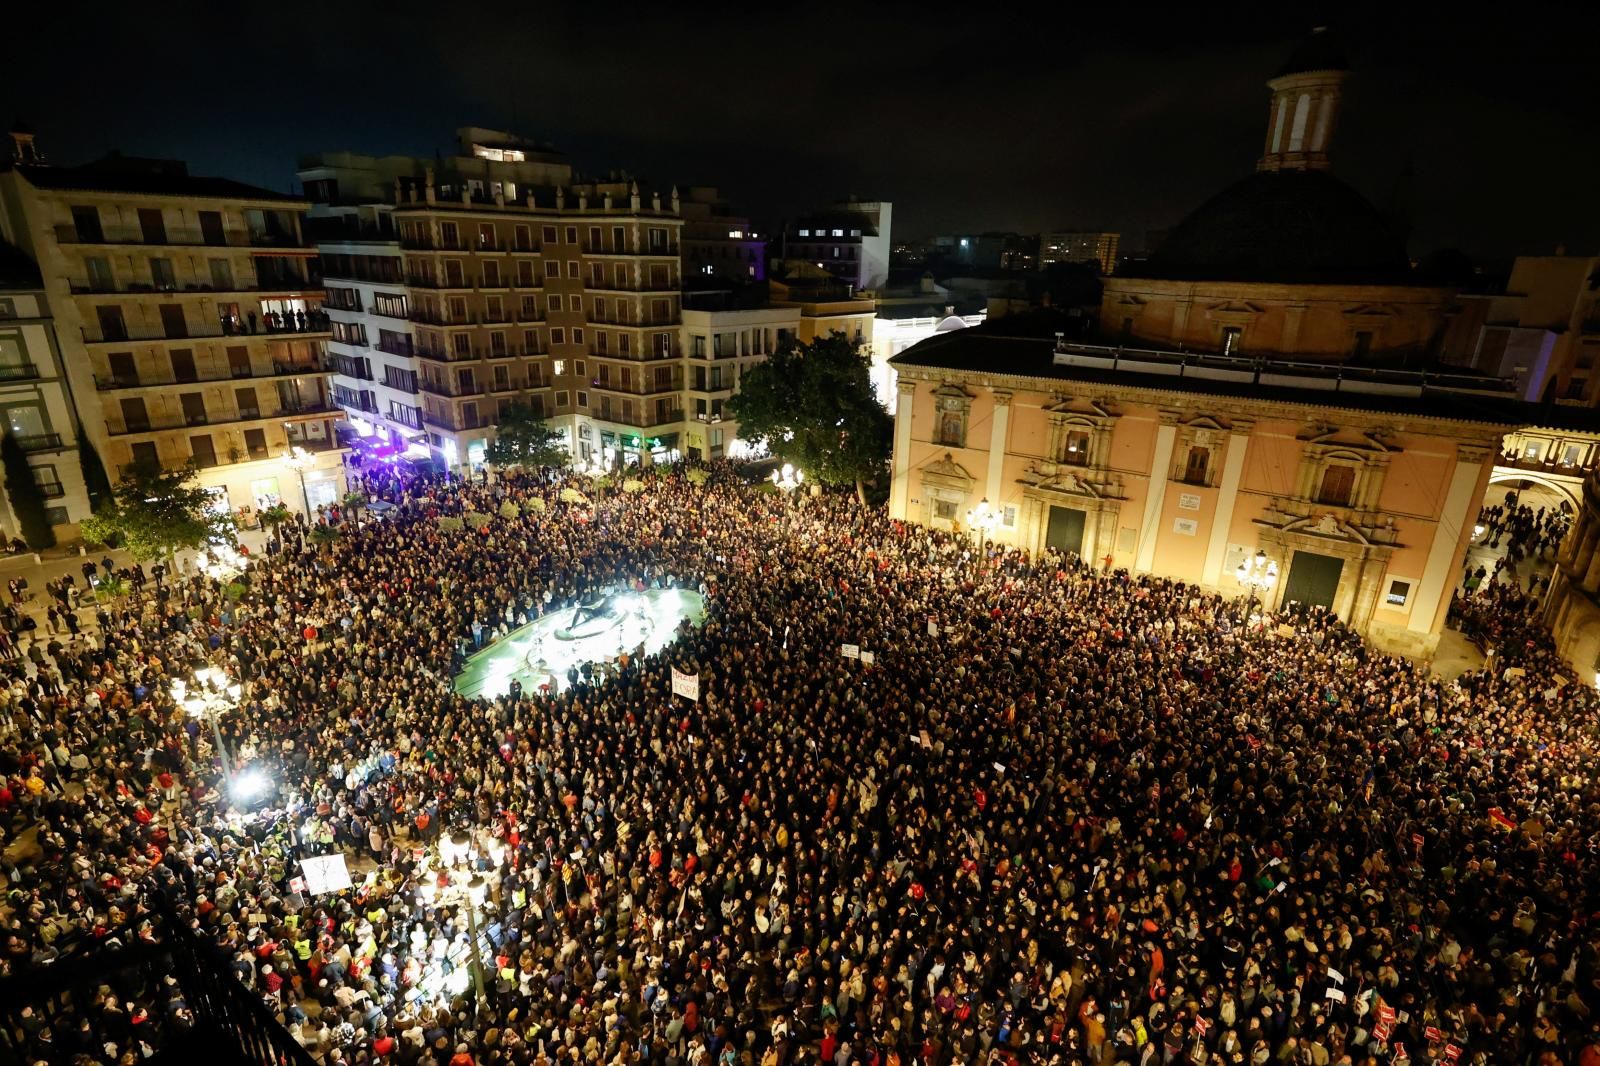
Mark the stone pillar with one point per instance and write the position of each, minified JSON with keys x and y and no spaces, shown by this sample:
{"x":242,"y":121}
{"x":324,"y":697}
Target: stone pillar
{"x":997,"y":445}
{"x":1459,"y":513}
{"x":1591,"y":575}
{"x":1227,"y":496}
{"x":1156,"y":493}
{"x":900,"y":482}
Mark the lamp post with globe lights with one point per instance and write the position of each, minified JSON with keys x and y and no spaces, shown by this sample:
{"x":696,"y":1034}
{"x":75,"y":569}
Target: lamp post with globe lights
{"x":460,"y":880}
{"x":788,"y":478}
{"x":1258,"y":574}
{"x":208,"y":696}
{"x":300,"y":461}
{"x":983,"y":518}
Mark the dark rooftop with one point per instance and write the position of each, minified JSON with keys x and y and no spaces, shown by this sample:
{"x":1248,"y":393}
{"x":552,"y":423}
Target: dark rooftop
{"x":1319,"y":51}
{"x":982,"y":349}
{"x":1283,"y":226}
{"x":154,"y":177}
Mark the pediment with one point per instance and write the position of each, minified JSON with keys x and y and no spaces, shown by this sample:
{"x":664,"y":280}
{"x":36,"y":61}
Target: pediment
{"x":1370,"y":311}
{"x":1234,"y":307}
{"x":1333,"y":440}
{"x":947,"y":469}
{"x":1326,"y":524}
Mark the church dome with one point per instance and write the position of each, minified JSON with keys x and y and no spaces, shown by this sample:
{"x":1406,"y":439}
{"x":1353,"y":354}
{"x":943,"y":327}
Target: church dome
{"x":1285,"y":226}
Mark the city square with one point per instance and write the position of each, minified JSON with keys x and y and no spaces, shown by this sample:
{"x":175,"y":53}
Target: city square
{"x":473,"y":609}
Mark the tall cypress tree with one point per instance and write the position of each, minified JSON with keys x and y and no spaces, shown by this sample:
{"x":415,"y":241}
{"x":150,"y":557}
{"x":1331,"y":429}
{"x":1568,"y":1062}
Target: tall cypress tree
{"x":27,"y":502}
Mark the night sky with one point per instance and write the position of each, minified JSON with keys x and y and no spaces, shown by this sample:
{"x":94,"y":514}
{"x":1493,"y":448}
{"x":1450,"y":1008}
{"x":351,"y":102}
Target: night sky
{"x":969,"y":119}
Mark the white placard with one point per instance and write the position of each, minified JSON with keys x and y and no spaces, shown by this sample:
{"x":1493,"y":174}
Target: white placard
{"x":1188,"y":501}
{"x":685,"y":684}
{"x":933,"y":628}
{"x":868,"y":658}
{"x":1187,"y":527}
{"x":325,"y":873}
{"x":850,"y":651}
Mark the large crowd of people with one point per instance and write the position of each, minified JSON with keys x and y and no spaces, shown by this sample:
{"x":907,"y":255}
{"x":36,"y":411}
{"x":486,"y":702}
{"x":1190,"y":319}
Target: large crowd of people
{"x":1041,"y":812}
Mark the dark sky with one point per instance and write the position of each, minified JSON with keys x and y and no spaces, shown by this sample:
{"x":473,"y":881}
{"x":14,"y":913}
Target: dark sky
{"x":968,"y":119}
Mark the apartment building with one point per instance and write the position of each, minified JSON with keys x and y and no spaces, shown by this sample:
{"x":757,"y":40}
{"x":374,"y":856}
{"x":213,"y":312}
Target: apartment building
{"x":850,"y":241}
{"x":189,"y":315}
{"x":717,"y":242}
{"x":33,"y":394}
{"x":720,"y":343}
{"x":1081,"y":246}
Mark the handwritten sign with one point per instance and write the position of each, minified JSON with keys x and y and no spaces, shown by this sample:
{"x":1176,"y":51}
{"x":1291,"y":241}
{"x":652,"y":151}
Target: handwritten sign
{"x":687,"y":685}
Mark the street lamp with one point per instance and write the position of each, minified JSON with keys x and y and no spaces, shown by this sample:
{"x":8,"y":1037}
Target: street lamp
{"x":207,"y":697}
{"x":983,"y":518}
{"x":459,"y":854}
{"x":1258,"y":574}
{"x":787,"y":479}
{"x":301,"y":461}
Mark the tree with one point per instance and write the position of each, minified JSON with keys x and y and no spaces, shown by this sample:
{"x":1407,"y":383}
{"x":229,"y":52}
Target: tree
{"x":813,"y":405}
{"x":276,"y":515}
{"x":324,"y":537}
{"x":522,"y":438}
{"x":27,"y":502}
{"x":155,"y":513}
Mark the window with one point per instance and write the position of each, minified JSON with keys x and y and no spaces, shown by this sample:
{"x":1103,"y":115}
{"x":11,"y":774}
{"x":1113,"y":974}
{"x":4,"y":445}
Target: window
{"x":583,"y":398}
{"x":549,"y":235}
{"x":952,"y":429}
{"x":1337,"y":484}
{"x":577,"y":335}
{"x":561,"y":399}
{"x":554,"y":300}
{"x":194,"y":408}
{"x":204,"y":451}
{"x":558,"y":336}
{"x":162,"y":275}
{"x":945,"y":509}
{"x":86,"y":221}
{"x":1008,"y":516}
{"x":461,"y":343}
{"x":449,"y":237}
{"x":44,"y":476}
{"x":805,"y":233}
{"x":523,"y":237}
{"x":1077,"y":449}
{"x":838,"y":233}
{"x":491,"y":274}
{"x":572,"y":234}
{"x":485,"y":235}
{"x":572,"y":268}
{"x":1399,"y":592}
{"x":1231,"y":336}
{"x":558,"y":365}
{"x":735,"y":234}
{"x":1198,"y":465}
{"x":552,"y":269}
{"x":388,"y":304}
{"x":577,"y":367}
{"x":1362,"y":345}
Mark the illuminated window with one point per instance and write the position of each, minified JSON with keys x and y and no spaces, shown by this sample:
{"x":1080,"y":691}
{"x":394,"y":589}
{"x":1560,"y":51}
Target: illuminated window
{"x":736,"y":234}
{"x":559,"y":366}
{"x":1077,"y":449}
{"x":1230,"y":340}
{"x":838,"y":233}
{"x":805,"y":233}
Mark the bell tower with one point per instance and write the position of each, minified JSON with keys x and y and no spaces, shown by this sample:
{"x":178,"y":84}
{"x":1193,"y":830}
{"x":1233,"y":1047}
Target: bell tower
{"x":1305,"y":105}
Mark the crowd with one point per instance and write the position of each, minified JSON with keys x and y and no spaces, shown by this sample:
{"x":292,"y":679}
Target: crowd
{"x":1057,"y":815}
{"x":1528,"y":532}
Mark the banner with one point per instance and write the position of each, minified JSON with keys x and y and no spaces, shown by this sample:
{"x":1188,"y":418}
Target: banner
{"x":325,"y":873}
{"x":685,"y":684}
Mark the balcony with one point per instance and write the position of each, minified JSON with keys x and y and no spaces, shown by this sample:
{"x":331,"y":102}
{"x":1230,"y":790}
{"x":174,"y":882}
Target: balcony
{"x":454,"y":422}
{"x":19,"y":372}
{"x":167,"y":292}
{"x":649,"y":421}
{"x":448,"y":388}
{"x":38,"y":442}
{"x":708,"y":419}
{"x":279,"y":370}
{"x":429,"y":317}
{"x":423,"y":281}
{"x":169,"y":423}
{"x":179,"y":237}
{"x":391,"y":348}
{"x":670,"y":248}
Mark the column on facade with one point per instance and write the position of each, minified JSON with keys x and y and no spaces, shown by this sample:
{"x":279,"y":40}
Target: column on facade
{"x":997,"y":445}
{"x":1591,"y":574}
{"x":1460,"y":512}
{"x":1227,"y":496}
{"x":1156,"y":493}
{"x":900,"y":481}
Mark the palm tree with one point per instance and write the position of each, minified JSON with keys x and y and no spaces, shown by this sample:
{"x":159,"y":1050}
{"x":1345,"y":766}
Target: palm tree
{"x":323,"y":537}
{"x":355,"y":501}
{"x":111,"y":587}
{"x":276,"y":515}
